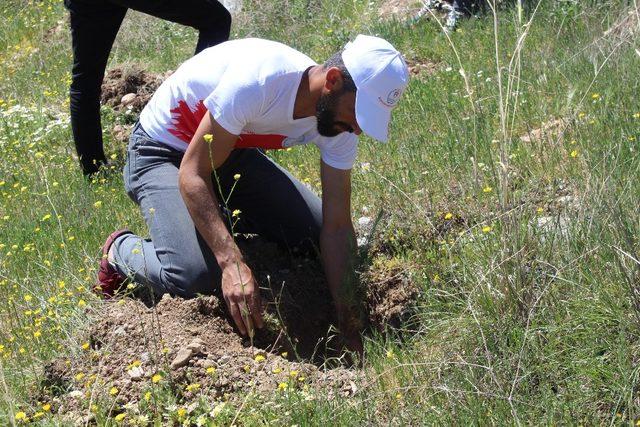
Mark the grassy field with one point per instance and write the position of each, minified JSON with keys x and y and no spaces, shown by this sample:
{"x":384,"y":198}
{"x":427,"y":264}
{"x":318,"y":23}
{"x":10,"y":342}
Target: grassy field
{"x":511,"y":182}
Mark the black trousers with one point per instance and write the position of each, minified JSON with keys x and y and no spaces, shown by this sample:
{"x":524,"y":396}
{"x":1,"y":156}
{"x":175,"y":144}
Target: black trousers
{"x":94,"y":25}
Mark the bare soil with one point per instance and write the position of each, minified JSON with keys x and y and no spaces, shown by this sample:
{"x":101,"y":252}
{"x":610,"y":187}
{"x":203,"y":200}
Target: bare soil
{"x":399,"y":9}
{"x":422,"y":68}
{"x":130,"y":341}
{"x":129,"y":87}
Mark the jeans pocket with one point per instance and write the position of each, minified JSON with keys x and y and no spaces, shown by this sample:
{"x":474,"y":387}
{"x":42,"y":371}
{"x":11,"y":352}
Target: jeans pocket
{"x":129,"y":173}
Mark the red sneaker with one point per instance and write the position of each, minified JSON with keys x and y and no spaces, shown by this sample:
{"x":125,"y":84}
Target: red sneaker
{"x":109,"y":280}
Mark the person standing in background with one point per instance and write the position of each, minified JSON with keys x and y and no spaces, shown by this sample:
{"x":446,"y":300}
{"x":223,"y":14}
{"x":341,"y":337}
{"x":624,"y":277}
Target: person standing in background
{"x":94,"y":25}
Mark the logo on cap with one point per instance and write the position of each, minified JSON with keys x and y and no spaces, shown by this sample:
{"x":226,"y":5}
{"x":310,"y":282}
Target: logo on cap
{"x":392,"y":98}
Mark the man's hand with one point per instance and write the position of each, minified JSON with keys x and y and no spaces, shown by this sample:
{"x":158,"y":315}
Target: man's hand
{"x":209,"y":148}
{"x":242,"y":295}
{"x":354,"y":343}
{"x":351,"y":322}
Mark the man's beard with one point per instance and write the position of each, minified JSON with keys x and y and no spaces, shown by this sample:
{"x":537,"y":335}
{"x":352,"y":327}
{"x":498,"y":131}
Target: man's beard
{"x":326,"y":114}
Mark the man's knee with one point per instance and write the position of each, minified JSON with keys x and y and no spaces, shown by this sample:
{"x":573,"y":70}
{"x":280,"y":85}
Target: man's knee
{"x":188,"y":279}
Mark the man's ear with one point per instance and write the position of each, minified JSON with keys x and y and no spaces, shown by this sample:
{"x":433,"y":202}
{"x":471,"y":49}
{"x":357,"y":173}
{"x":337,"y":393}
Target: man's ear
{"x":333,"y":80}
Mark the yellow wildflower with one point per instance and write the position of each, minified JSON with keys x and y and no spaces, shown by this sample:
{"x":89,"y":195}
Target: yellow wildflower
{"x":260,"y":358}
{"x":487,"y":189}
{"x":283,"y":386}
{"x":208,"y":138}
{"x":449,"y":215}
{"x":193,"y":387}
{"x":113,"y":391}
{"x":211,"y":370}
{"x":574,"y":153}
{"x":156,"y":378}
{"x":120,"y":417}
{"x":236,"y":212}
{"x":486,"y":229}
{"x":236,"y":176}
{"x":21,"y":416}
{"x":97,"y":204}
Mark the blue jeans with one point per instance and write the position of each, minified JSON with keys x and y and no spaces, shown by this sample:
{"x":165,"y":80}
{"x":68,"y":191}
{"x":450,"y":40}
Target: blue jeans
{"x":176,"y":259}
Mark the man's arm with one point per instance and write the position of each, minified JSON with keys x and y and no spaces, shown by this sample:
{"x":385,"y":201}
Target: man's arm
{"x":238,"y":285}
{"x":338,"y":249}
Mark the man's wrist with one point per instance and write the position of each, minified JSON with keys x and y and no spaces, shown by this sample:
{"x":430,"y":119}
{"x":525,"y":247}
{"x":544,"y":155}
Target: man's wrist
{"x":230,"y":259}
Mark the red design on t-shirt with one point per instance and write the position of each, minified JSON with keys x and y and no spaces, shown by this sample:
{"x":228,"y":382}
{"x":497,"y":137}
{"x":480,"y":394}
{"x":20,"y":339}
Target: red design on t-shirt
{"x":186,"y":121}
{"x":252,"y":140}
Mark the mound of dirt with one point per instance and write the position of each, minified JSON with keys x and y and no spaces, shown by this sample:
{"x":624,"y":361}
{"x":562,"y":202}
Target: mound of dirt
{"x":129,"y":87}
{"x":421,"y":68}
{"x":399,"y":9}
{"x":180,"y":342}
{"x":551,"y":131}
{"x":391,"y":294}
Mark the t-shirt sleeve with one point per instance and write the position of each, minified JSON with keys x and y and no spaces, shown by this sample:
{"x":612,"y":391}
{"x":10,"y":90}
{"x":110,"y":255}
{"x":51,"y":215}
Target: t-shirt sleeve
{"x":339,"y":151}
{"x":237,"y":99}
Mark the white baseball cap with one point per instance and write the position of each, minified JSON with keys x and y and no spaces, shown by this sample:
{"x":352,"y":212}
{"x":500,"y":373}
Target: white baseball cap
{"x":380,"y":75}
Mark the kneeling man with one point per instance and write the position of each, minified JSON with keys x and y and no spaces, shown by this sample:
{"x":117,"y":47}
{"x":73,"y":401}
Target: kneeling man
{"x":196,"y":162}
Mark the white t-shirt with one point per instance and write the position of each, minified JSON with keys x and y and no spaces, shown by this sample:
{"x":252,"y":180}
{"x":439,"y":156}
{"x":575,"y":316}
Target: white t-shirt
{"x":250,"y":87}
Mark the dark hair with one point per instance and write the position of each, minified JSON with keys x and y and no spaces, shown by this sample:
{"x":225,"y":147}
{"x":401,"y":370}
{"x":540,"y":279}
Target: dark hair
{"x":336,"y":61}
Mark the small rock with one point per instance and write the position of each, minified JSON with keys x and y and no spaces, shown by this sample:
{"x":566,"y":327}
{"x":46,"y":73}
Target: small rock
{"x":197,"y":346}
{"x":567,"y":201}
{"x":87,"y":419}
{"x":128,"y":99}
{"x":136,"y":373}
{"x":363,"y":221}
{"x":182,"y":358}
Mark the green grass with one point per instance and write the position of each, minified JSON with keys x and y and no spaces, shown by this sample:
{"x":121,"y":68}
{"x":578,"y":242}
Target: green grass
{"x":517,"y":324}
